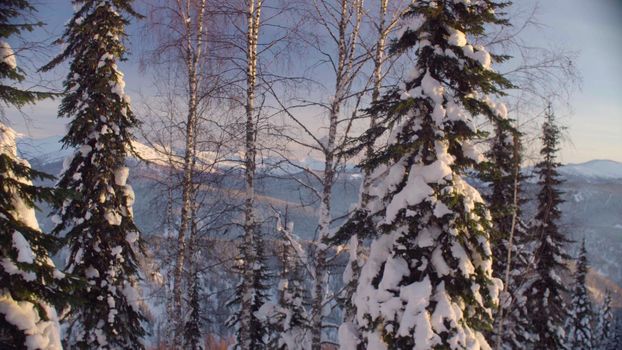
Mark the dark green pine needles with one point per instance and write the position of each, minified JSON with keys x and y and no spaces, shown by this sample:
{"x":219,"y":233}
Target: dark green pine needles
{"x":103,"y":241}
{"x":544,"y":291}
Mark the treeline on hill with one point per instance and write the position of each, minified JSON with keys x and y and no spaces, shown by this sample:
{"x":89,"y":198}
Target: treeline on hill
{"x":409,"y":91}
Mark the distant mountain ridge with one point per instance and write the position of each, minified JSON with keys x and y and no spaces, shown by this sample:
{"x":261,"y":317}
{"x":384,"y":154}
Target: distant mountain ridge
{"x":592,"y":193}
{"x":49,"y":150}
{"x":597,"y":168}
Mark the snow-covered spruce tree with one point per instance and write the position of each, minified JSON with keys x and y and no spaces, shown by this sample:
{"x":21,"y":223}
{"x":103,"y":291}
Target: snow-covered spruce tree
{"x":31,"y":288}
{"x":604,"y":332}
{"x":580,"y":320}
{"x":427,"y":283}
{"x":103,"y":241}
{"x":250,"y":295}
{"x":193,"y":339}
{"x":500,"y":171}
{"x":503,"y":171}
{"x":544,"y":297}
{"x":292,"y":331}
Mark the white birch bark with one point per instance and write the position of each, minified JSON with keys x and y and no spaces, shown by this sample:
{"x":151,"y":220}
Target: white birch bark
{"x":346,"y":46}
{"x":193,"y":37}
{"x":252,"y":36}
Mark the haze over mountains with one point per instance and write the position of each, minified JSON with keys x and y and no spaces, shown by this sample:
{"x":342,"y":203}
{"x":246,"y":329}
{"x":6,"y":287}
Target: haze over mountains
{"x":592,"y":208}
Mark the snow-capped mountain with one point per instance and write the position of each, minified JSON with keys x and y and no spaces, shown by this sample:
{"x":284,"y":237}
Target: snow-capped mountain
{"x":594,"y":169}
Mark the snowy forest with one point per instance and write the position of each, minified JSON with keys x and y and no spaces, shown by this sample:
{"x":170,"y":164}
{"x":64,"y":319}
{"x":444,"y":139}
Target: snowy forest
{"x":299,"y":175}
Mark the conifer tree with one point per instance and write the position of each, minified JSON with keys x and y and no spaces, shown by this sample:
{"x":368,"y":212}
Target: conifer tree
{"x":580,"y":321}
{"x":103,"y":241}
{"x":427,"y":283}
{"x":192,"y":328}
{"x":292,"y":320}
{"x":252,"y":267}
{"x":604,"y":333}
{"x":617,"y":335}
{"x":31,"y":288}
{"x":503,"y":171}
{"x":15,"y":18}
{"x":544,"y":293}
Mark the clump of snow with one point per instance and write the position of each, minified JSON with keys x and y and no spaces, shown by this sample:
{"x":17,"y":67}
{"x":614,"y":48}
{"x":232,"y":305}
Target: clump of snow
{"x":411,"y":24}
{"x":457,"y":38}
{"x":118,"y":86}
{"x":7,"y":55}
{"x":366,"y":295}
{"x":40,"y":334}
{"x":131,"y":295}
{"x":121,"y":175}
{"x":472,"y":151}
{"x":415,"y":191}
{"x":416,"y":295}
{"x":91,"y":273}
{"x":21,"y":210}
{"x":502,"y":110}
{"x":116,"y":251}
{"x":113,"y":218}
{"x":103,"y":60}
{"x":478,"y":54}
{"x":432,"y":88}
{"x":348,"y":337}
{"x":24,"y":252}
{"x":9,"y":267}
{"x":132,"y":236}
{"x":7,"y":141}
{"x":85,"y":150}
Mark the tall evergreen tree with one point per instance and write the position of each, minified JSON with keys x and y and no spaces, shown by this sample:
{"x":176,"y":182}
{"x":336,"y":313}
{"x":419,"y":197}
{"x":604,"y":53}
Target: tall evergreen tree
{"x":427,"y":283}
{"x":31,"y":288}
{"x":251,"y":294}
{"x":503,"y":172}
{"x":580,"y":321}
{"x":604,"y":333}
{"x":544,"y":293}
{"x":103,"y":240}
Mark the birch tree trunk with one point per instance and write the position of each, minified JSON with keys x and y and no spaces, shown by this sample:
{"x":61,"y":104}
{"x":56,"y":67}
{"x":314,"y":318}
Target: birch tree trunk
{"x":193,"y":49}
{"x":252,"y":36}
{"x":379,"y":57}
{"x":346,"y":46}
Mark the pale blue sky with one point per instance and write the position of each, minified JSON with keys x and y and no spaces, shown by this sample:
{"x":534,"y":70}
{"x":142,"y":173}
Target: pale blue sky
{"x":595,"y":29}
{"x":592,"y":27}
